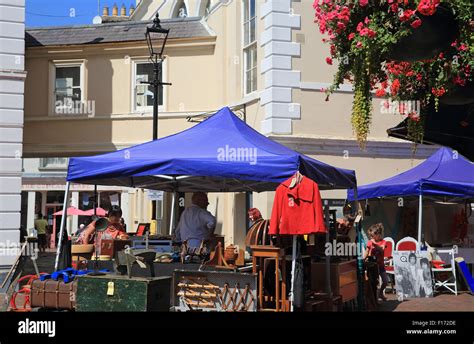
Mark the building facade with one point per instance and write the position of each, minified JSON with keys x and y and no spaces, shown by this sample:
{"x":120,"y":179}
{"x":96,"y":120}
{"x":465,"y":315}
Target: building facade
{"x":266,"y":57}
{"x":12,"y":77}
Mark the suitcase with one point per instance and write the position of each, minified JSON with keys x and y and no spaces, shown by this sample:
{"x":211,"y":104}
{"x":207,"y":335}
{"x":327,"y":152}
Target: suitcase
{"x":109,"y":247}
{"x":116,"y":293}
{"x":53,"y":294}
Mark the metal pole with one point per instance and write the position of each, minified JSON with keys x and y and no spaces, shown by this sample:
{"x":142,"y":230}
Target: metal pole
{"x":63,"y":223}
{"x":420,"y":217}
{"x":95,"y":200}
{"x":173,"y":205}
{"x":328,"y":258}
{"x":293,"y":268}
{"x":360,"y":262}
{"x":156,"y":81}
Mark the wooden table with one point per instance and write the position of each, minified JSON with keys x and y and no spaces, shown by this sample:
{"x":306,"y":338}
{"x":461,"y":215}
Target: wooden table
{"x":259,"y":254}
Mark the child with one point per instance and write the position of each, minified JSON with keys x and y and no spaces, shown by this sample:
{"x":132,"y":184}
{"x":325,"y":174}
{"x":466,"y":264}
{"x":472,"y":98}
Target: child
{"x":375,"y":248}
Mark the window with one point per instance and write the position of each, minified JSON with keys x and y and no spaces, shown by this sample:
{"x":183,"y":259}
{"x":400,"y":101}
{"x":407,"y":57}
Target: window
{"x":68,"y":87}
{"x":143,"y":93}
{"x":249,"y":46}
{"x":54,"y":163}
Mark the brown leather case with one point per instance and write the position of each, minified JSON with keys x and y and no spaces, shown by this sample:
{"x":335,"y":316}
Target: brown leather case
{"x":53,"y":294}
{"x":109,"y":247}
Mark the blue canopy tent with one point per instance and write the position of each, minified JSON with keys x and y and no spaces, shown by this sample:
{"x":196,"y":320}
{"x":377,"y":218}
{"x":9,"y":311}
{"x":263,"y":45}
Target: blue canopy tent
{"x":445,"y":174}
{"x":220,"y":154}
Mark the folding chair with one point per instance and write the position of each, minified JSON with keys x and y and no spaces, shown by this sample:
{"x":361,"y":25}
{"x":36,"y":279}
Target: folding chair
{"x":407,"y":244}
{"x":388,"y":259}
{"x":445,"y":274}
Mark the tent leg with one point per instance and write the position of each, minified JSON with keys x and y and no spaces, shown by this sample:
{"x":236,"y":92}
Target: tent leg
{"x":293,"y":269}
{"x":328,"y":258}
{"x":63,"y":224}
{"x":360,"y":262}
{"x":420,"y":217}
{"x":173,"y":206}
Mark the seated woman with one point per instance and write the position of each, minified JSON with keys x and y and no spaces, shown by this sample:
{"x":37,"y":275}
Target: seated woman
{"x":114,"y":229}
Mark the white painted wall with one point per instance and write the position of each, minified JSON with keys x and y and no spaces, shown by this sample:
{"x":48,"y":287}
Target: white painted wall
{"x":12,"y":75}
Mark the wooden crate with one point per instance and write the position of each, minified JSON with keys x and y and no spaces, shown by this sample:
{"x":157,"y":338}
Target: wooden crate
{"x":114,"y":293}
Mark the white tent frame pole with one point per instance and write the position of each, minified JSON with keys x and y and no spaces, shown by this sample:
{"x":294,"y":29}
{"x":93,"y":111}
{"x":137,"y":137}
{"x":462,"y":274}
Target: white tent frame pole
{"x":173,"y":202}
{"x":293,"y":269}
{"x":63,"y":223}
{"x":420,"y":217}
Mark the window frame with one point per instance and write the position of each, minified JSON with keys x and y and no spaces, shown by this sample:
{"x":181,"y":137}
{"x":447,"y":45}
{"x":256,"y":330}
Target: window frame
{"x":52,"y":90}
{"x":146,"y":109}
{"x":248,"y":46}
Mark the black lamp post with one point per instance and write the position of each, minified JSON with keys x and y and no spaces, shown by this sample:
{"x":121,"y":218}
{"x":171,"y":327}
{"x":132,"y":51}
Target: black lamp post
{"x":156,"y":38}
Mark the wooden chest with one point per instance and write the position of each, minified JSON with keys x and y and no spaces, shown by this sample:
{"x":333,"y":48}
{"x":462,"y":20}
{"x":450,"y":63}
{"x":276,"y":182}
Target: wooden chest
{"x":343,"y":278}
{"x":115,"y":293}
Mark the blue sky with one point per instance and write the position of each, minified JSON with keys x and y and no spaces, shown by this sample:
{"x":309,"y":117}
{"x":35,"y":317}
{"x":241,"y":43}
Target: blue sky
{"x":66,"y":12}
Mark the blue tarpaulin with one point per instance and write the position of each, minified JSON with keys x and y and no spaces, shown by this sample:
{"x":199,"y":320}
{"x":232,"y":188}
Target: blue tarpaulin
{"x":220,"y":154}
{"x":446,"y":173}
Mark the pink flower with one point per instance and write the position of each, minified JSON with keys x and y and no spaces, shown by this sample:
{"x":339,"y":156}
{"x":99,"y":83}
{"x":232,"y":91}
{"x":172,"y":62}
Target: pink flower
{"x":364,"y":31}
{"x":416,"y":23}
{"x":359,"y":44}
{"x":360,"y":26}
{"x":363,"y":3}
{"x":329,"y":60}
{"x":351,"y":36}
{"x":371,"y":33}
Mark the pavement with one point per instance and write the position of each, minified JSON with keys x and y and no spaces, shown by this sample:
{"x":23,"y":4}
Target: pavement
{"x":463,"y":302}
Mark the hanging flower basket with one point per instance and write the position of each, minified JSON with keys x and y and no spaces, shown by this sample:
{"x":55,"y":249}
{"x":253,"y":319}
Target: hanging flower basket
{"x":407,"y":50}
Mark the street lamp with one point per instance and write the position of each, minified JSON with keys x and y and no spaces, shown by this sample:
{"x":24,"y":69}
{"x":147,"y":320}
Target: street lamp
{"x":156,"y":38}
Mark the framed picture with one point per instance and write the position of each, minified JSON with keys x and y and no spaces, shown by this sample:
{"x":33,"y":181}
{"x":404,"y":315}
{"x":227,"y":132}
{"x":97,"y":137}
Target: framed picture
{"x":413,"y":276}
{"x":142,"y":229}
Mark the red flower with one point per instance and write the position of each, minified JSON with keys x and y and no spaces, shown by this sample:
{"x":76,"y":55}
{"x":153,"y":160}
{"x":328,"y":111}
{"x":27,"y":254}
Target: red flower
{"x":416,"y":23}
{"x":380,"y":92}
{"x":395,"y":87}
{"x":363,"y":3}
{"x":329,"y":60}
{"x":407,"y":14}
{"x":438,"y":92}
{"x":359,"y":44}
{"x":428,"y":7}
{"x":351,"y":36}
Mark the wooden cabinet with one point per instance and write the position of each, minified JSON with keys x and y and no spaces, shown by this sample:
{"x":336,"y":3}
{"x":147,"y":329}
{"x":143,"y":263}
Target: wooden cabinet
{"x":343,"y":278}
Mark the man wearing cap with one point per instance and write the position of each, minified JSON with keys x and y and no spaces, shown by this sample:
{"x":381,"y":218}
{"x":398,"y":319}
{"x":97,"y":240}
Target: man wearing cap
{"x":196,"y":223}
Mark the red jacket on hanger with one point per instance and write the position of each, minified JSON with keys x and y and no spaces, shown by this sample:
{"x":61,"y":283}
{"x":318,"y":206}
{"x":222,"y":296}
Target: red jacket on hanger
{"x":297,"y":210}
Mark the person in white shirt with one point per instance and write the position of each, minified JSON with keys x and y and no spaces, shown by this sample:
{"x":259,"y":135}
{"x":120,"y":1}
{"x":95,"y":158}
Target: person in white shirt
{"x":196,"y":223}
